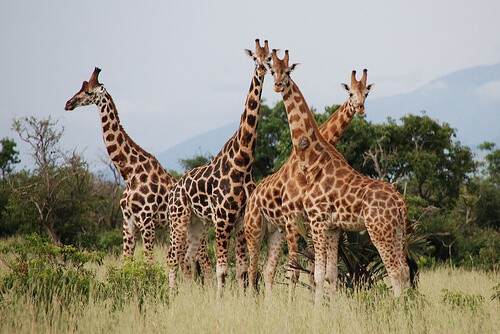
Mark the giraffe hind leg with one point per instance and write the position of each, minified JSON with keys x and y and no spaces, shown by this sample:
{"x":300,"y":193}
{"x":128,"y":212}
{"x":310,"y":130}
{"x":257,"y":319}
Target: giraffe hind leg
{"x":196,"y":235}
{"x":240,"y":248}
{"x":130,"y":234}
{"x":275,"y":242}
{"x":390,"y":248}
{"x":148,"y":237}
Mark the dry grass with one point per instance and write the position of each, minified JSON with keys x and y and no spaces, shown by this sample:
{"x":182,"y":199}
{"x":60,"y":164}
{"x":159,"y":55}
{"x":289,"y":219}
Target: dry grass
{"x":449,"y":300}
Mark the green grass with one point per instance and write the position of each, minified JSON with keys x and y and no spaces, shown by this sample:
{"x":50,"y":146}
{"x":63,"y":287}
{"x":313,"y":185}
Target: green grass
{"x":449,"y":300}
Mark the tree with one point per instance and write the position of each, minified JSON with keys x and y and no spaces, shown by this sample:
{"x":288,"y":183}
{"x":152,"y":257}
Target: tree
{"x":8,"y":156}
{"x":487,"y":207}
{"x":492,"y":160}
{"x":196,"y":161}
{"x":272,"y":130}
{"x":44,"y":188}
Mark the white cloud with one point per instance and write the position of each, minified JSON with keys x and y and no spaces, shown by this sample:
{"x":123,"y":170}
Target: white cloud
{"x":489,"y":91}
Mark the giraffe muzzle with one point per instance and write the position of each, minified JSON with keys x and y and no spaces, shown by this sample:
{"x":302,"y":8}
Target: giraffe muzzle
{"x":278,"y":87}
{"x":69,"y":106}
{"x":360,"y":109}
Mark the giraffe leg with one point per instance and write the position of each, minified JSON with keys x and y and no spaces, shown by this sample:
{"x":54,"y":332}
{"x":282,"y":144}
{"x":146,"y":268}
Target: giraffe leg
{"x":254,"y":234}
{"x":319,"y":238}
{"x":275,"y":242}
{"x":390,"y":247}
{"x":293,"y":237}
{"x":177,"y":245}
{"x":240,"y":251}
{"x":148,"y":237}
{"x":130,"y":233}
{"x":333,"y":237}
{"x":195,"y":236}
{"x":223,"y":229}
{"x":206,"y":266}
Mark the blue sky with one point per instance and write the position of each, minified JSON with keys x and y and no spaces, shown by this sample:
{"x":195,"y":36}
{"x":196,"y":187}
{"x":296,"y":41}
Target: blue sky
{"x":177,"y":69}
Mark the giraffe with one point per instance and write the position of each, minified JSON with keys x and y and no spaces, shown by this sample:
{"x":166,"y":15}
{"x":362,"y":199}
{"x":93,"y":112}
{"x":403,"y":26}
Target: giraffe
{"x":217,"y":192}
{"x":276,"y":200}
{"x":144,"y":201}
{"x":336,"y":197}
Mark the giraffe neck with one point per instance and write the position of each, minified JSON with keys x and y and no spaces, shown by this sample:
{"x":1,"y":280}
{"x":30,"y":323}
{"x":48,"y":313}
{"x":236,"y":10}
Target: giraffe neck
{"x":335,"y":126}
{"x":306,"y":138}
{"x":123,"y":151}
{"x":244,"y":140}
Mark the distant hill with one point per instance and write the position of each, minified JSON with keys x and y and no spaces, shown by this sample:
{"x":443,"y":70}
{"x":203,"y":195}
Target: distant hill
{"x":206,"y":143}
{"x":468,"y":100}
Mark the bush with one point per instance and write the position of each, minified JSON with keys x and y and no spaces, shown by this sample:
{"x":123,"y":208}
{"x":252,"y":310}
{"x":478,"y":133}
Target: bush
{"x":136,"y":281}
{"x":48,"y":273}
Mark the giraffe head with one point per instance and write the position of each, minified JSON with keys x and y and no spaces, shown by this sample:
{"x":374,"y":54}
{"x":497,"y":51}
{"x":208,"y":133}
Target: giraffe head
{"x":358,"y":92}
{"x":261,"y":56}
{"x":90,"y":92}
{"x":281,"y":71}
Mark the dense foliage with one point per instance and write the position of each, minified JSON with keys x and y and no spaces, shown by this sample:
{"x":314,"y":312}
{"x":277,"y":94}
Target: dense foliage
{"x":60,"y":198}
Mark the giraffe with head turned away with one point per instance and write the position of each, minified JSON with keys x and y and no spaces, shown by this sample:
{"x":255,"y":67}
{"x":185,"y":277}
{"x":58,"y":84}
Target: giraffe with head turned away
{"x":217,"y":192}
{"x":277,"y":202}
{"x":144,"y":201}
{"x":335,"y":197}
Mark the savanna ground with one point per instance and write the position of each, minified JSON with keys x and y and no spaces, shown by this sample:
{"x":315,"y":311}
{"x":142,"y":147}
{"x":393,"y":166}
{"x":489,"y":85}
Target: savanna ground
{"x":448,"y":300}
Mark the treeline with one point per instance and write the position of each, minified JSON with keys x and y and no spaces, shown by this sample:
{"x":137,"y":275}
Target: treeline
{"x":453,"y":199}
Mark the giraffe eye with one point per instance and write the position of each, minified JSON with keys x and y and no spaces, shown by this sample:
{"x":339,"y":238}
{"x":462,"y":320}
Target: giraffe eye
{"x":351,"y":94}
{"x":88,"y":93}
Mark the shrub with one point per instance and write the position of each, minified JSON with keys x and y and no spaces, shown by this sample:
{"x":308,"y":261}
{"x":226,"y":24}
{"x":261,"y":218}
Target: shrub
{"x":136,"y":281}
{"x":48,"y":273}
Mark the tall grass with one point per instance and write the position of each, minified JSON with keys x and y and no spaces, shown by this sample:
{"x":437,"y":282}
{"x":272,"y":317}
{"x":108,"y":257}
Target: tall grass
{"x":448,"y":300}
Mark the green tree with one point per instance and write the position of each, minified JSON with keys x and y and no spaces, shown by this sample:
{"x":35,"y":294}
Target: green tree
{"x":8,"y":156}
{"x":420,"y":153}
{"x":59,"y":196}
{"x":492,"y":160}
{"x":198,"y":160}
{"x":487,"y":207}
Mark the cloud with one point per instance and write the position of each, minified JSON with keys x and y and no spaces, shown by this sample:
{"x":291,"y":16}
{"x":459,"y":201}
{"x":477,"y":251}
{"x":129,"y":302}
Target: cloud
{"x":490,"y":91}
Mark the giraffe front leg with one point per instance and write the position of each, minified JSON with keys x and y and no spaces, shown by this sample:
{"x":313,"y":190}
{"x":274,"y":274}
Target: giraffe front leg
{"x":223,"y":229}
{"x":319,"y":240}
{"x":254,"y":233}
{"x":332,"y":239}
{"x":292,"y":237}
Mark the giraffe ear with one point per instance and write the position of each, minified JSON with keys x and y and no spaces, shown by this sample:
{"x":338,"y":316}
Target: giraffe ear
{"x":369,"y":87}
{"x":249,"y":53}
{"x":346,"y":86}
{"x":294,"y":67}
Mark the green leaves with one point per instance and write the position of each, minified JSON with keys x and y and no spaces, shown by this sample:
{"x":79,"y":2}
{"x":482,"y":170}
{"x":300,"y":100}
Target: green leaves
{"x":8,"y":156}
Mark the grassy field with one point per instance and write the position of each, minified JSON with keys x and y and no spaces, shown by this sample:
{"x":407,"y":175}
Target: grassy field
{"x":449,"y":300}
